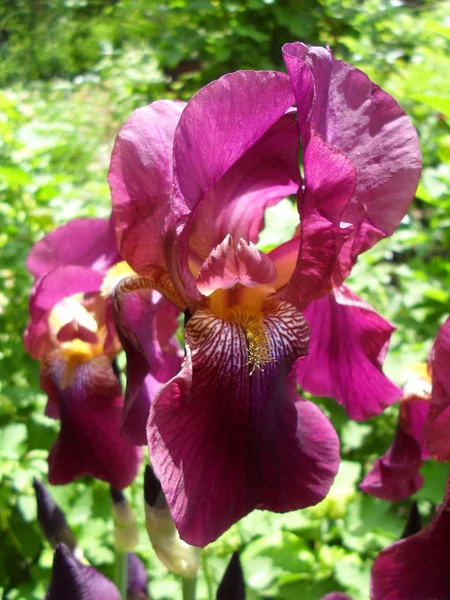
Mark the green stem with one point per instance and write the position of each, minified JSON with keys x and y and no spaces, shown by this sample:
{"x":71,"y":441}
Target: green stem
{"x":122,"y":573}
{"x":189,"y":587}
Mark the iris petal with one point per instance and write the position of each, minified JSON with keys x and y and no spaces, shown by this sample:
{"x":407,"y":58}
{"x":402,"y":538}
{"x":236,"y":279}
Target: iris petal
{"x":223,"y":442}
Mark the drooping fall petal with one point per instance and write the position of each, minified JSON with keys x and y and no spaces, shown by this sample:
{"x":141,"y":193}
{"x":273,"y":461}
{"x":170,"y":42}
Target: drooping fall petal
{"x":89,"y":401}
{"x":140,"y":178}
{"x":363,"y":122}
{"x":72,"y":580}
{"x":395,"y":476}
{"x":349,"y":341}
{"x":223,"y":441}
{"x":416,"y":568}
{"x":436,"y":431}
{"x":82,"y":242}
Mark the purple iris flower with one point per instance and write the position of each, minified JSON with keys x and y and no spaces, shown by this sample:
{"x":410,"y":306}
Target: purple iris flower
{"x":395,"y":475}
{"x":72,"y":333}
{"x":190,"y":183}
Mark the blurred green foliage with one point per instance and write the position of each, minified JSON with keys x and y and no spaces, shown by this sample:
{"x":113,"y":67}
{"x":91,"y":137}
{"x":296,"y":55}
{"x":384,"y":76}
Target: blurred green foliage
{"x":72,"y":71}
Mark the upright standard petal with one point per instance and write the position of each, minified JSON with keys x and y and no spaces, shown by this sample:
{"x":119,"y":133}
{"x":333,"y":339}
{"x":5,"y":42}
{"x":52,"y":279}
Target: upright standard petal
{"x":223,"y":121}
{"x":437,"y":426}
{"x":47,"y":292}
{"x":416,"y":568}
{"x":89,"y":400}
{"x":72,"y":580}
{"x":235,"y":205}
{"x":349,"y":341}
{"x":225,"y":439}
{"x":140,"y":178}
{"x":82,"y":242}
{"x":367,"y":125}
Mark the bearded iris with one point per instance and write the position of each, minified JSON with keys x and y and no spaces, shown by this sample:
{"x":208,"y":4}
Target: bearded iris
{"x":190,"y":185}
{"x":72,"y":333}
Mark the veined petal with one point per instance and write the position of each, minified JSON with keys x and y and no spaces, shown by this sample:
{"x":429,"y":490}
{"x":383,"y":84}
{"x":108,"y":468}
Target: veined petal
{"x":90,"y":406}
{"x":349,"y":341}
{"x":82,"y":242}
{"x":363,"y":122}
{"x":140,"y":178}
{"x":415,"y":568}
{"x":228,"y":265}
{"x":223,"y":441}
{"x":46,"y":293}
{"x":436,"y":432}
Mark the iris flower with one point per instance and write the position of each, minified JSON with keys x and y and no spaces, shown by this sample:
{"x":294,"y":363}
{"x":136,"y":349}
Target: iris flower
{"x":72,"y":333}
{"x":190,"y":184}
{"x":395,"y":475}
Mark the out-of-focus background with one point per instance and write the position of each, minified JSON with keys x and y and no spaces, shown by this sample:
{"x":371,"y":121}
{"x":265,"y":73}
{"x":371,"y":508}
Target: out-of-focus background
{"x":71,"y":73}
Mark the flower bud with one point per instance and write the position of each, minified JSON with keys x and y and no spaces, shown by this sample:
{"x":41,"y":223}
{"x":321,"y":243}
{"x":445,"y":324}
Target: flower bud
{"x":126,"y":534}
{"x":172,"y":551}
{"x":137,"y":579}
{"x":52,"y":519}
{"x":72,"y":580}
{"x":232,"y":584}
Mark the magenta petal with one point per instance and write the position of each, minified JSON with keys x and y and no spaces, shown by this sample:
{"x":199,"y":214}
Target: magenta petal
{"x":140,"y":178}
{"x":436,"y":432}
{"x":228,"y":265}
{"x":146,"y":324}
{"x":221,"y":122}
{"x":83,"y":242}
{"x":395,"y":476}
{"x":72,"y":580}
{"x":223,"y":442}
{"x":416,"y":568}
{"x":90,"y":407}
{"x":48,"y":291}
{"x":349,"y":341}
{"x":336,"y":596}
{"x":367,"y":125}
{"x":235,"y":205}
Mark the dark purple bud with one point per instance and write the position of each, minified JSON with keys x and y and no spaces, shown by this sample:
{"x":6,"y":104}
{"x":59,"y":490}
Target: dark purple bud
{"x":153,"y":494}
{"x":414,"y":523}
{"x":51,"y":518}
{"x":137,"y":578}
{"x":72,"y":580}
{"x":232,"y":585}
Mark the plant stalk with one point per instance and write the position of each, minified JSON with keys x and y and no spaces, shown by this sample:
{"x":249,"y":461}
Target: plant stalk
{"x":122,"y":573}
{"x":189,"y":588}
